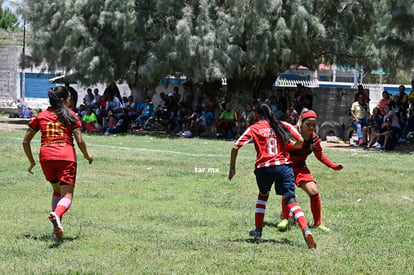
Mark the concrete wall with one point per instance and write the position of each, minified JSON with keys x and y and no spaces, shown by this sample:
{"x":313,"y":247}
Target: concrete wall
{"x":9,"y":77}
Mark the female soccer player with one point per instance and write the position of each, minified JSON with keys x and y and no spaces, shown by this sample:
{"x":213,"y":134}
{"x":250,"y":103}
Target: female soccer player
{"x":303,"y":177}
{"x":57,"y":153}
{"x":270,"y":137}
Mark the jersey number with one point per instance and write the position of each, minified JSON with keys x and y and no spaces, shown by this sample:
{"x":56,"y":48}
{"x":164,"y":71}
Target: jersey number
{"x":272,"y":146}
{"x":53,"y":130}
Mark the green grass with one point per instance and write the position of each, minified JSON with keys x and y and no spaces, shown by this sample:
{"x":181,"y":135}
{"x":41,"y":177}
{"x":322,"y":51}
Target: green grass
{"x":141,"y":207}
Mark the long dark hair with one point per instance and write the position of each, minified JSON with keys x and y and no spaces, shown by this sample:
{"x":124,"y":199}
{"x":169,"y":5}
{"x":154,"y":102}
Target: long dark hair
{"x":56,"y":97}
{"x":279,"y":129}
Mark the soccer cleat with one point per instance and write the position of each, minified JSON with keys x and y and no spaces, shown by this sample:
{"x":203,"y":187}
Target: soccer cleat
{"x":257,"y":234}
{"x":57,"y":227}
{"x":283,"y":225}
{"x":323,"y":228}
{"x":309,"y":238}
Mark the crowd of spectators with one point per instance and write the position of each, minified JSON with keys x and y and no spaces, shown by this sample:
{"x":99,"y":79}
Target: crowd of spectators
{"x":391,"y":121}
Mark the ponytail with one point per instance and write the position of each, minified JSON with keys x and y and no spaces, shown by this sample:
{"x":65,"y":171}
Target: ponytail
{"x":56,"y":97}
{"x":279,"y":129}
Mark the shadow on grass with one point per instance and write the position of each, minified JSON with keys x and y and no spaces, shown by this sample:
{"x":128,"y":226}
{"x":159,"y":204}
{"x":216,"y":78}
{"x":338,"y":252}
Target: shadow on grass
{"x":282,"y":241}
{"x":47,"y":238}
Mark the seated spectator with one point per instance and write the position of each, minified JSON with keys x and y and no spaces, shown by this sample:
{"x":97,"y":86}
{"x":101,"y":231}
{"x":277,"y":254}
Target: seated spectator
{"x":131,"y":108}
{"x":183,"y":117}
{"x":386,"y":99}
{"x":81,"y":111}
{"x":110,"y":123}
{"x":360,"y":114}
{"x":226,"y":122}
{"x":207,"y":114}
{"x":145,"y":111}
{"x":88,"y":98}
{"x":247,"y":118}
{"x":375,"y":125}
{"x":89,"y":121}
{"x":198,"y":124}
{"x":96,"y":95}
{"x":292,"y":115}
{"x":122,"y":125}
{"x":124,"y":102}
{"x":387,"y":137}
{"x":96,"y":109}
{"x":408,"y":130}
{"x":114,"y":105}
{"x":395,"y":121}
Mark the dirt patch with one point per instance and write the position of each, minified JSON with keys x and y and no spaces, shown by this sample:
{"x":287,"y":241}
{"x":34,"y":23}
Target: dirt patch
{"x":9,"y":124}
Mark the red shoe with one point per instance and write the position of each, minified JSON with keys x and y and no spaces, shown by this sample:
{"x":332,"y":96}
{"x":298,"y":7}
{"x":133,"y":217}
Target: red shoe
{"x":57,"y":227}
{"x":361,"y":143}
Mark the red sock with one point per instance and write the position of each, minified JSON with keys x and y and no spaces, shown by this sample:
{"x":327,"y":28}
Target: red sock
{"x":63,"y":206}
{"x":315,"y":203}
{"x":285,"y":210}
{"x":298,"y":213}
{"x":55,"y":200}
{"x":260,"y":211}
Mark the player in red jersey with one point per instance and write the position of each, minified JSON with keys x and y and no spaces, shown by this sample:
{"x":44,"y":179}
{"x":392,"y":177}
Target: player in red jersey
{"x":303,"y":177}
{"x":57,"y":155}
{"x":270,"y":137}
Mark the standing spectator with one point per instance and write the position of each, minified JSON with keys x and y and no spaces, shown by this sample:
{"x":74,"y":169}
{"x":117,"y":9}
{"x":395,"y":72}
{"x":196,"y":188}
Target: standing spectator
{"x":270,"y":137}
{"x":96,"y":95}
{"x":362,"y":92}
{"x":360,"y":114}
{"x":176,"y":96}
{"x":58,"y":124}
{"x":187,"y":97}
{"x":303,"y":177}
{"x":401,"y":91}
{"x":88,"y":98}
{"x":304,"y":100}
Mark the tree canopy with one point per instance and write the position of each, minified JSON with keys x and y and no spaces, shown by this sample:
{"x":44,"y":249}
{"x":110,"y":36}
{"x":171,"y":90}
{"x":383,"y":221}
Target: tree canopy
{"x":140,"y":41}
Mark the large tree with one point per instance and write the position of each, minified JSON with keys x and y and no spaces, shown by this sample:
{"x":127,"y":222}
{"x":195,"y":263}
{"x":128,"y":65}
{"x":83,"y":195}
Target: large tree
{"x":249,"y":42}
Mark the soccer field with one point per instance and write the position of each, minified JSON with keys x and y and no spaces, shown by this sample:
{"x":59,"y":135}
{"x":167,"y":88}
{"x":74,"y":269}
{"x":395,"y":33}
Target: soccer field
{"x":154,"y":205}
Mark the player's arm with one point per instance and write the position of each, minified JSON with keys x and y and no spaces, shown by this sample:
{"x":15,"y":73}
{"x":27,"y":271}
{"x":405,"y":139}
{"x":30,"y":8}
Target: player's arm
{"x":325,"y":160}
{"x":233,"y":158}
{"x":82,"y":144}
{"x":30,"y":133}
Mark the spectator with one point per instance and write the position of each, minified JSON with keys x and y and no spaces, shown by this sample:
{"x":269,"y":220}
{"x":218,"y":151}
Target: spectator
{"x":395,"y":121}
{"x":401,"y":91}
{"x":226,"y":122}
{"x":124,"y":102}
{"x":282,"y":104}
{"x":122,"y":124}
{"x":207,"y":114}
{"x":304,"y":100}
{"x":360,"y":114}
{"x":375,"y":125}
{"x":187,"y":96}
{"x":386,"y":99}
{"x":89,"y":121}
{"x":96,"y":95}
{"x":176,"y":96}
{"x":145,"y":111}
{"x":88,"y":98}
{"x":199,"y":124}
{"x":211,"y":105}
{"x":291,"y":115}
{"x":247,"y":118}
{"x":387,"y":137}
{"x":362,"y":92}
{"x":396,"y":105}
{"x":114,"y":105}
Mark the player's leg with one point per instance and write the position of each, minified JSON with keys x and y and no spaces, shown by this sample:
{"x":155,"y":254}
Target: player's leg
{"x":264,"y":181}
{"x":56,"y":194}
{"x":311,"y":189}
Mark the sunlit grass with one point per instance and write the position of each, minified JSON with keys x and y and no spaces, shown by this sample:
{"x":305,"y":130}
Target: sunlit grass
{"x":143,"y":207}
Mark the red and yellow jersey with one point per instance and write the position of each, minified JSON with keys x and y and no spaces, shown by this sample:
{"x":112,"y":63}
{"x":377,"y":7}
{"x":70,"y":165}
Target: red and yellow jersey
{"x":57,"y":139}
{"x":271,"y":150}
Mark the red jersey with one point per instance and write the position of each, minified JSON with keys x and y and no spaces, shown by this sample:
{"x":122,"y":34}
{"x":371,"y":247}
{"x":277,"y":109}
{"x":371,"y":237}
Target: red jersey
{"x":298,"y":155}
{"x":271,"y":150}
{"x":57,"y":140}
